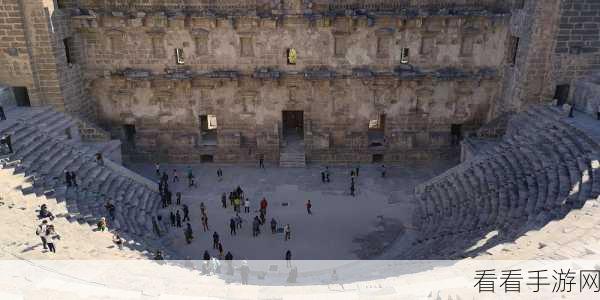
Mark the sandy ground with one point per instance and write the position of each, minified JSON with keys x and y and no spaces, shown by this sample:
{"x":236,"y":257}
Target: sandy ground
{"x":338,"y":219}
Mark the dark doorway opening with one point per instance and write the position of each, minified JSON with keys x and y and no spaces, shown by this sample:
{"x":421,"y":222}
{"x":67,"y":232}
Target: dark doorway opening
{"x":377,"y":158}
{"x":561,"y":94}
{"x":206,"y":158}
{"x":208,"y":129}
{"x":293,"y":122}
{"x":455,"y":134}
{"x":129,"y":131}
{"x":21,"y":96}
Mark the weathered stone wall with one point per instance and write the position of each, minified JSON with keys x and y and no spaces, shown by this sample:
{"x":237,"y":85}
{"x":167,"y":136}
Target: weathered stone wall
{"x":32,"y":55}
{"x":348,"y":72}
{"x":559,"y":43}
{"x":577,"y":42}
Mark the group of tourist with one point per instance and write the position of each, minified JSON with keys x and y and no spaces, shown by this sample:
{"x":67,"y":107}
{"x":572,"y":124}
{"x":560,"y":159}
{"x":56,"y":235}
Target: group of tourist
{"x":48,"y":235}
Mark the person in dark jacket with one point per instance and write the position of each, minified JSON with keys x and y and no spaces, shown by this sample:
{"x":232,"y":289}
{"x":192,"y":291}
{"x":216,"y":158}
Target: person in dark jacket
{"x":189,"y":234}
{"x":232,"y":227}
{"x":273,"y":226}
{"x":178,"y":219}
{"x":215,"y":240}
{"x":186,"y":213}
{"x":172,"y":217}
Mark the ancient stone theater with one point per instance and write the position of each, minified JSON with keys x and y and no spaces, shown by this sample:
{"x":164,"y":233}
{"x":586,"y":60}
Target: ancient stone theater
{"x":292,"y":81}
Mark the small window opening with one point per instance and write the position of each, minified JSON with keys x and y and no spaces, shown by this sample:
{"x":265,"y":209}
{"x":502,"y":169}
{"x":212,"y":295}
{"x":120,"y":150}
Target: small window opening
{"x":514,"y":47}
{"x":179,"y":56}
{"x":404,"y":53}
{"x":68,"y":43}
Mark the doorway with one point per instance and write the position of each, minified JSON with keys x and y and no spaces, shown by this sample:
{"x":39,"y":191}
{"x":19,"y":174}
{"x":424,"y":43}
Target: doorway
{"x":377,"y":158}
{"x":129,"y":132}
{"x":455,"y":134}
{"x":21,"y":96}
{"x":293,"y":123}
{"x":561,"y":94}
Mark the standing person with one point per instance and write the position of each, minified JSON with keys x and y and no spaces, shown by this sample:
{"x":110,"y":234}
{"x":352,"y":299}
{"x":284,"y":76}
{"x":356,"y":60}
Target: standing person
{"x":327,"y":173}
{"x":352,"y":189}
{"x":41,"y":232}
{"x":165,"y":177}
{"x":255,"y":226}
{"x":247,"y":206}
{"x":288,"y":258}
{"x":178,"y":198}
{"x":157,"y":169}
{"x":383,"y":171}
{"x":68,"y":178}
{"x":192,"y":183}
{"x":261,"y":162}
{"x":172,"y":217}
{"x":219,"y":174}
{"x":178,"y":218}
{"x":237,"y":204}
{"x":288,"y":232}
{"x":263,"y":205}
{"x":220,"y":248}
{"x":169,"y":197}
{"x":175,"y":176}
{"x":190,"y":175}
{"x":51,"y":238}
{"x":323,"y":176}
{"x":238,"y":221}
{"x":224,"y":200}
{"x":110,"y":208}
{"x":163,"y":199}
{"x":308,"y":207}
{"x":189,"y":234}
{"x":2,"y":115}
{"x":74,"y":178}
{"x":205,"y":222}
{"x":186,"y":213}
{"x":357,"y":170}
{"x":263,"y":218}
{"x":231,"y":198}
{"x":598,"y":112}
{"x":273,"y":226}
{"x":202,"y":208}
{"x":232,"y":227}
{"x":215,"y":240}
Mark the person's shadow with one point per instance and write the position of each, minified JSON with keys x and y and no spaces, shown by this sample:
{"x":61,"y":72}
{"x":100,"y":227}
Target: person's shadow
{"x":31,"y":248}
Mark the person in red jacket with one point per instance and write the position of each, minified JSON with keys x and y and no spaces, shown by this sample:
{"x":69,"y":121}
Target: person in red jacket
{"x":263,"y":205}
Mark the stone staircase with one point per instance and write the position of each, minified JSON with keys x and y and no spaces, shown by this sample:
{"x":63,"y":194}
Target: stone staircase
{"x":292,"y":160}
{"x":544,"y":167}
{"x":45,"y":146}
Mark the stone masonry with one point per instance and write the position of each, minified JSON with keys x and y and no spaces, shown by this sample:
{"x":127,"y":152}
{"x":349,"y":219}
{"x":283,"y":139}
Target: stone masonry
{"x":149,"y":71}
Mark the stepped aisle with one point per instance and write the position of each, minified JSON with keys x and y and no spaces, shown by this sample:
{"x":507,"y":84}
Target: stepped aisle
{"x":46,"y":145}
{"x":545,"y":167}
